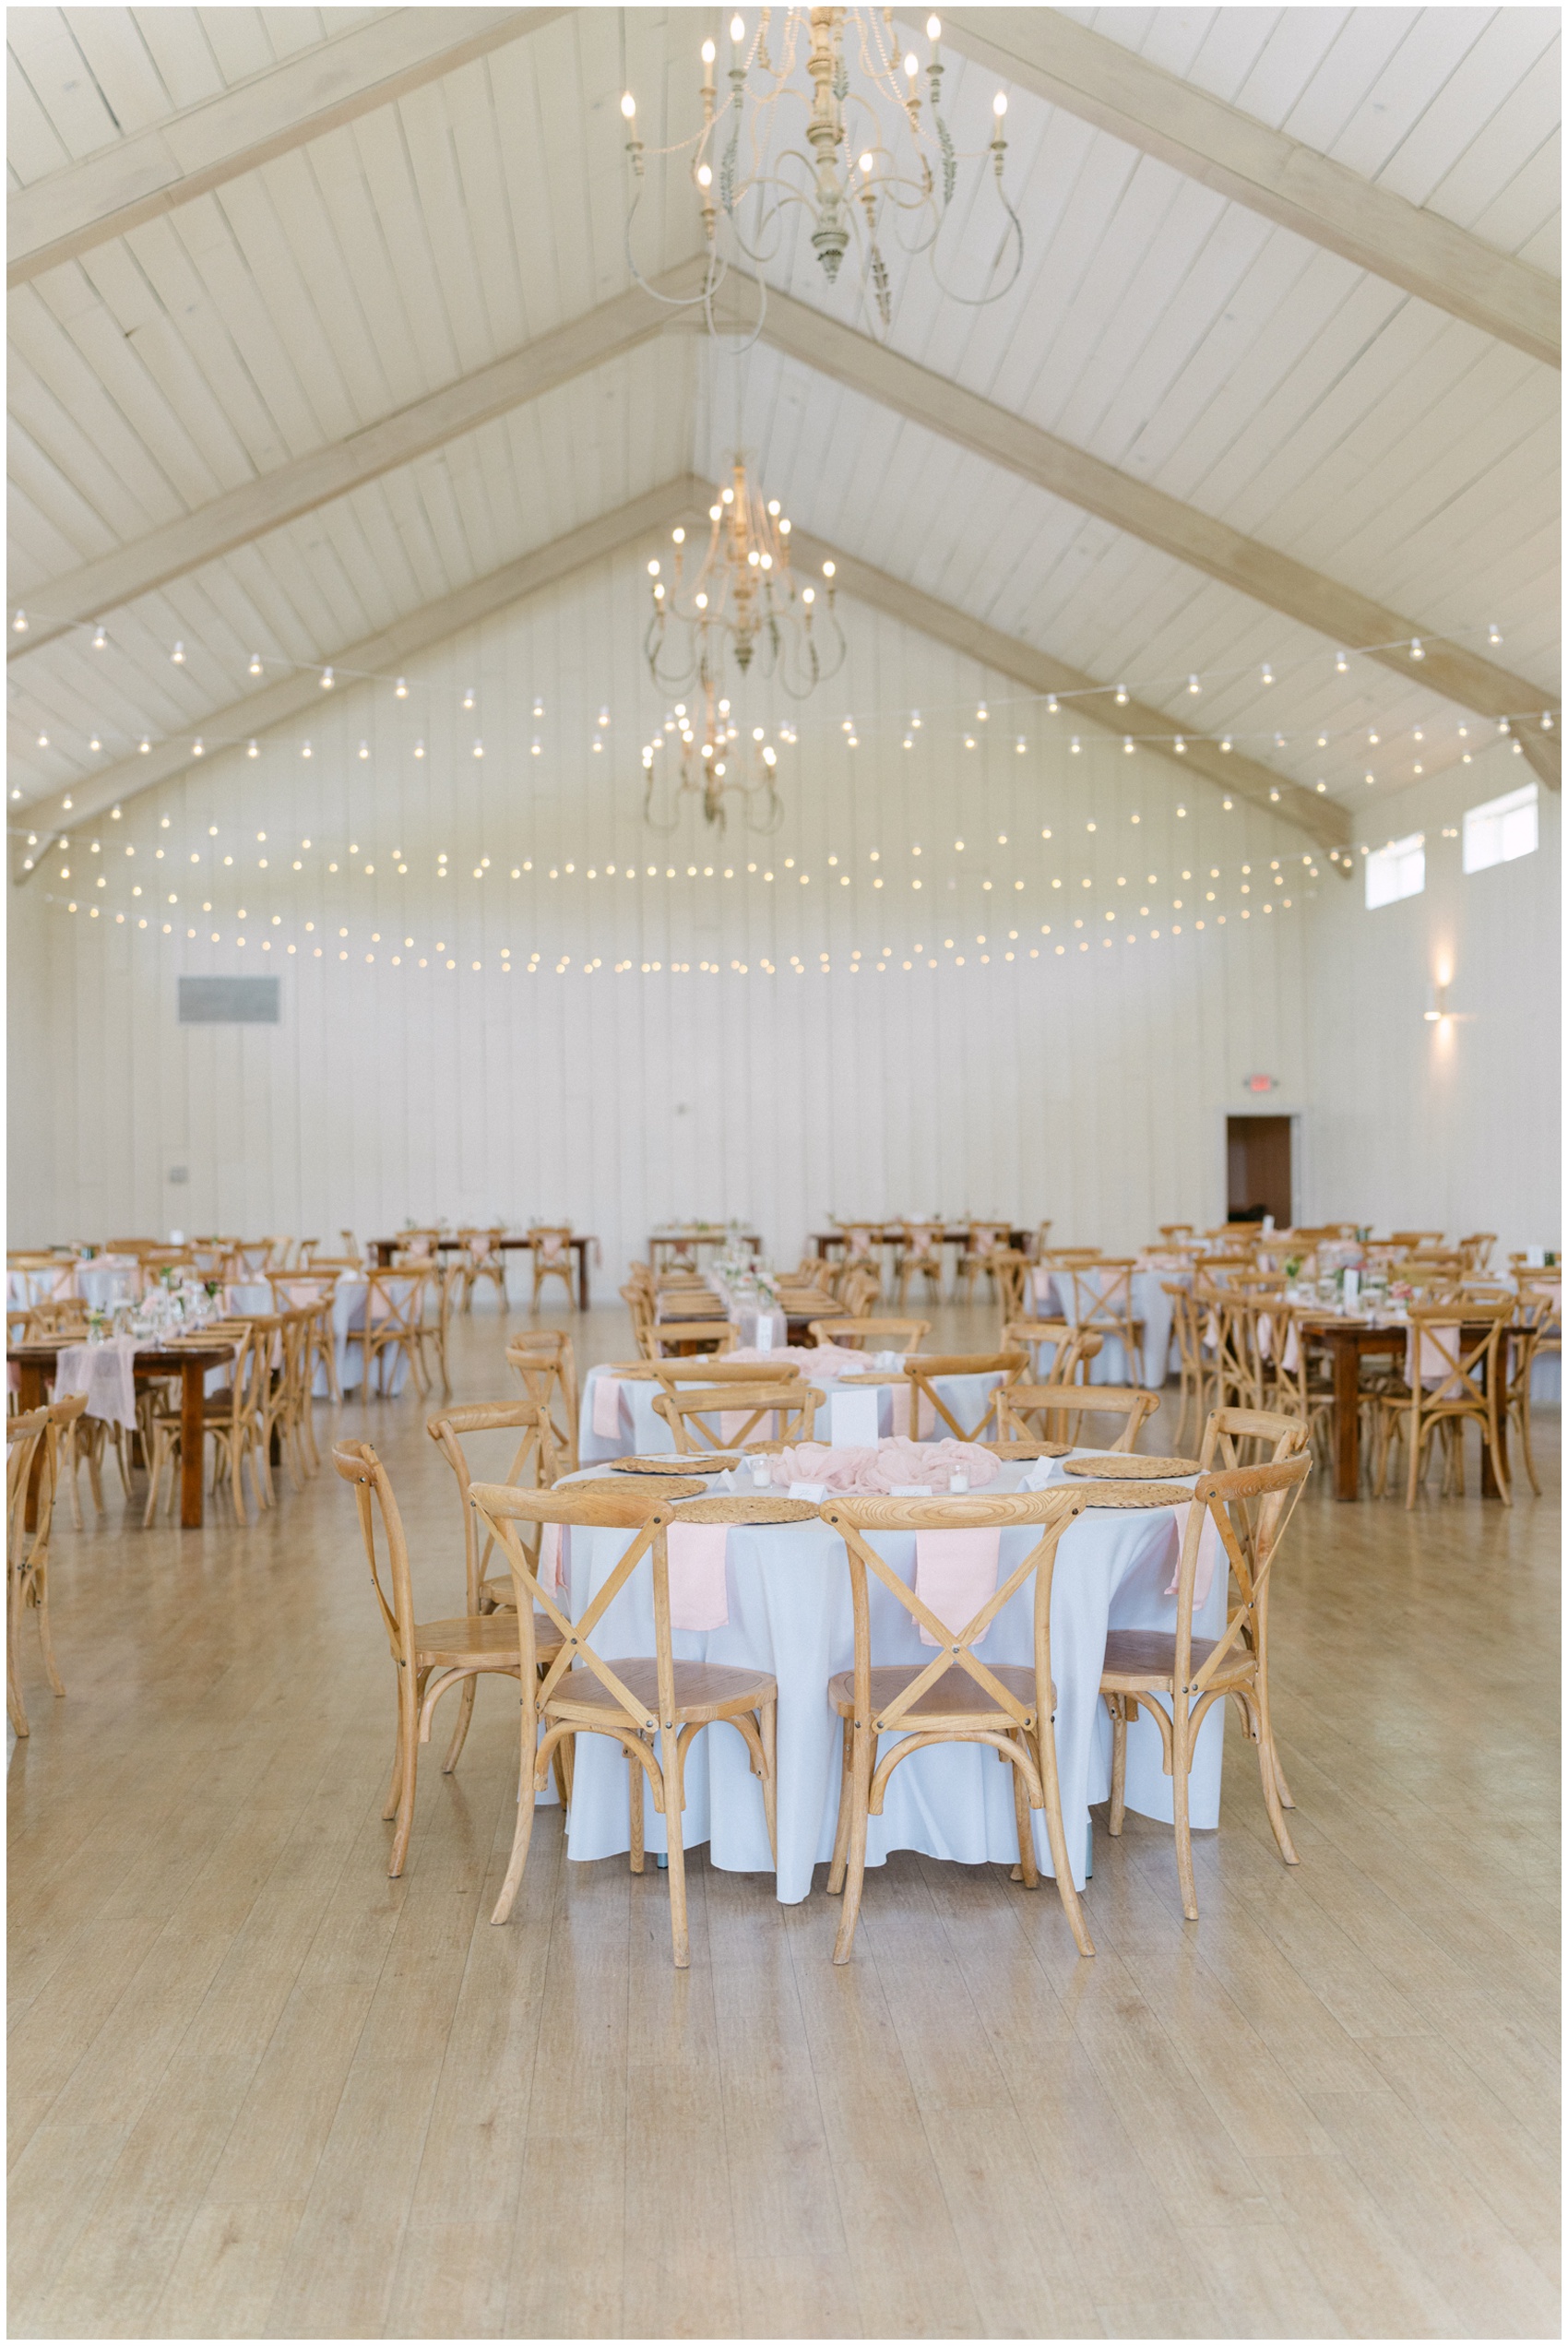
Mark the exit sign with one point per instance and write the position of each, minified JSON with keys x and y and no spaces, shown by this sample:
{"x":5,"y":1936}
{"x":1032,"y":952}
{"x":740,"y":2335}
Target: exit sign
{"x":1260,"y":1083}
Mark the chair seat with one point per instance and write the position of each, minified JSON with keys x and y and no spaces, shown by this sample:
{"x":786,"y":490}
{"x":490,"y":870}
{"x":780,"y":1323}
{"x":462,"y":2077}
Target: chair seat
{"x":703,"y":1690}
{"x":1145,"y":1661}
{"x":478,"y":1640}
{"x":954,"y":1700}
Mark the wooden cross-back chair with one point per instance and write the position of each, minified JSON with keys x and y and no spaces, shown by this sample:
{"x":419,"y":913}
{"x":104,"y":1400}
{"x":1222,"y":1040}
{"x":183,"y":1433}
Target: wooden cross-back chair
{"x":1476,"y":1249}
{"x":922,"y":1369}
{"x":870,"y":1335}
{"x":394,"y":1315}
{"x":1194,"y":1372}
{"x":1453,"y":1378}
{"x":32,"y":1455}
{"x":1073,"y":1348}
{"x":857,"y":1290}
{"x":671,"y":1338}
{"x":1151,"y":1669}
{"x":481,"y":1258}
{"x":536,"y":1464}
{"x":1415,"y":1238}
{"x":429,"y":1658}
{"x":919,"y":1249}
{"x":1176,"y":1234}
{"x":231,"y":1419}
{"x":695,"y":1415}
{"x":552,"y":1258}
{"x":1010,"y":1268}
{"x":954,"y":1698}
{"x":546,"y":1360}
{"x":982,"y":1240}
{"x":1230,"y":1322}
{"x":1103,"y":1299}
{"x":1533,"y":1315}
{"x":312,"y":1291}
{"x":651,"y":1705}
{"x":1056,"y":1412}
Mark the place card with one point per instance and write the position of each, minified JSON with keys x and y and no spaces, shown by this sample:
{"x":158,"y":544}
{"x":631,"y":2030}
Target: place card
{"x":814,"y":1492}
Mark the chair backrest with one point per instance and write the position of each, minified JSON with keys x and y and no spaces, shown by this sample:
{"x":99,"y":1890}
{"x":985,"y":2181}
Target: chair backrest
{"x":1010,"y":1268}
{"x":600,"y":1506}
{"x":1065,"y":1406}
{"x":294,"y":1290}
{"x":861,"y":1240}
{"x":879,"y":1335}
{"x":858,"y":1290}
{"x":921,"y":1241}
{"x":853,"y":1519}
{"x":546,"y":1360}
{"x":551,"y":1243}
{"x":1415,"y":1238}
{"x":1173,"y":1231}
{"x":1453,"y":1363}
{"x":921,"y":1369}
{"x":1477,"y":1248}
{"x":1227,"y":1428}
{"x":1075,"y":1347}
{"x":688,"y":1408}
{"x":395,"y":1305}
{"x":985,"y":1237}
{"x":481,"y":1242}
{"x":1249,"y":1507}
{"x":705,"y":1370}
{"x":357,"y":1464}
{"x":24,"y":1434}
{"x":534,"y":1463}
{"x":1103,"y":1293}
{"x":419,"y":1245}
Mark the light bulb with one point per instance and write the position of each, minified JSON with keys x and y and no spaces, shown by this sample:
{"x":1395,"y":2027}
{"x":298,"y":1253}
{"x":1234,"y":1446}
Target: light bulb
{"x":1051,"y":703}
{"x":678,"y":537}
{"x":1266,"y":674}
{"x":252,"y":749}
{"x":653,"y":569}
{"x":178,"y":654}
{"x":400,"y":689}
{"x":1493,"y":633}
{"x":1075,"y":744}
{"x":709,"y":53}
{"x":1180,"y":746}
{"x":306,"y":751}
{"x":19,"y":624}
{"x":933,"y":28}
{"x":44,"y":740}
{"x":705,"y":176}
{"x":1120,"y":695}
{"x":144,"y":747}
{"x":95,"y":742}
{"x":539,"y":708}
{"x":1193,"y":685}
{"x":912,"y":65}
{"x":999,"y":105}
{"x":100,"y":640}
{"x":867,"y":162}
{"x":418,"y":749}
{"x":1341,"y":663}
{"x":827,"y":570}
{"x":737,"y":27}
{"x":1415,"y":651}
{"x":628,"y":105}
{"x":807,"y":595}
{"x":255,"y":664}
{"x":479,"y":749}
{"x":364,"y":749}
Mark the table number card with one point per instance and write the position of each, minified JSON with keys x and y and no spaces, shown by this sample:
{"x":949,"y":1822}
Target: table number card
{"x":853,"y":1419}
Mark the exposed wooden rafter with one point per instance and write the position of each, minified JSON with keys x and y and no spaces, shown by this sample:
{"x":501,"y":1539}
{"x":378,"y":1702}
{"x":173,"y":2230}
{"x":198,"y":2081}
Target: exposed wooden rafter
{"x":684,"y":499}
{"x":1043,"y":51}
{"x":151,"y":172}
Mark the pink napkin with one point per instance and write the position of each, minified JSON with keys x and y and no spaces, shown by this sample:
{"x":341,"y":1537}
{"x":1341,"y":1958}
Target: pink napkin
{"x":1265,"y":1342}
{"x":550,"y":1558}
{"x":954,"y":1573}
{"x":1211,"y":1548}
{"x":1436,"y":1369}
{"x":1044,"y":1285}
{"x":607,"y":1405}
{"x":901,"y":1393}
{"x":698,"y":1598}
{"x":817,"y":1360}
{"x":876,"y":1470}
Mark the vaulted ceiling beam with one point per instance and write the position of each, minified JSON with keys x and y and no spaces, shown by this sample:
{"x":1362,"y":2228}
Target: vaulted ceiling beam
{"x":283,"y":494}
{"x":151,"y":172}
{"x":1043,"y":51}
{"x":1261,"y":572}
{"x":275,"y":704}
{"x":1094,"y":703}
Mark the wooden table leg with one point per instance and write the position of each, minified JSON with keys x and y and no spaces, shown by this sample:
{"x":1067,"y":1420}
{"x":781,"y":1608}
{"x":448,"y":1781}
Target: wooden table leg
{"x":1346,"y":1422}
{"x":33,"y":1391}
{"x":582,"y":1277}
{"x":193,"y":1393}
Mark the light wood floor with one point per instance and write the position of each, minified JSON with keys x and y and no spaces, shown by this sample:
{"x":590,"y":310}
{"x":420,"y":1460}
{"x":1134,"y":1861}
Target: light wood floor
{"x":256,"y":2088}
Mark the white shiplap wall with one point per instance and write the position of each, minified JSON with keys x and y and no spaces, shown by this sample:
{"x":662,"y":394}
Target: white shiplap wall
{"x":1457,"y":1124}
{"x":1089,"y":1085}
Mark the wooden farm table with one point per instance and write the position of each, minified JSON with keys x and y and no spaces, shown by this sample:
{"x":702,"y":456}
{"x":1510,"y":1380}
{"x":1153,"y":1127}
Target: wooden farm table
{"x":828,"y":1242}
{"x":383,"y":1249}
{"x":1347,"y":1341}
{"x":191,"y":1363}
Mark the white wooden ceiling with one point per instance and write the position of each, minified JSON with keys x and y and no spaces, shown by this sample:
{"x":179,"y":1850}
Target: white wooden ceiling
{"x":1262,"y":379}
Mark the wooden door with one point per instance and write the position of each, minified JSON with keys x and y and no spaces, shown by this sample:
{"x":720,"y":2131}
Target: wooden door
{"x":1257,"y":1151}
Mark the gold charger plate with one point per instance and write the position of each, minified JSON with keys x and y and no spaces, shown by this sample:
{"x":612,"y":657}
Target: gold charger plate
{"x":673,"y":1462}
{"x":1121,"y":1466}
{"x":1135,"y":1495}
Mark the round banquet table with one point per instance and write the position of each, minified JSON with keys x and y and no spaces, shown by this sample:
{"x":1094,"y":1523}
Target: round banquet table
{"x":642,"y":1432}
{"x":788,"y":1588}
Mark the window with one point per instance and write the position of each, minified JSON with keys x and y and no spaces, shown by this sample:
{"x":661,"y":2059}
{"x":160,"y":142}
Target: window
{"x":1400,"y":869}
{"x":1501,"y":830}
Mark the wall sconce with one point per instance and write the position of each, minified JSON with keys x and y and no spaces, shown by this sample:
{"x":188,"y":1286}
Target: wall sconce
{"x":1437,"y":1005}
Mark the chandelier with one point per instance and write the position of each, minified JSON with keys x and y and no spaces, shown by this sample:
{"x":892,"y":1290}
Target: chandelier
{"x":872,"y":163}
{"x":742,"y":603}
{"x":711,"y":764}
